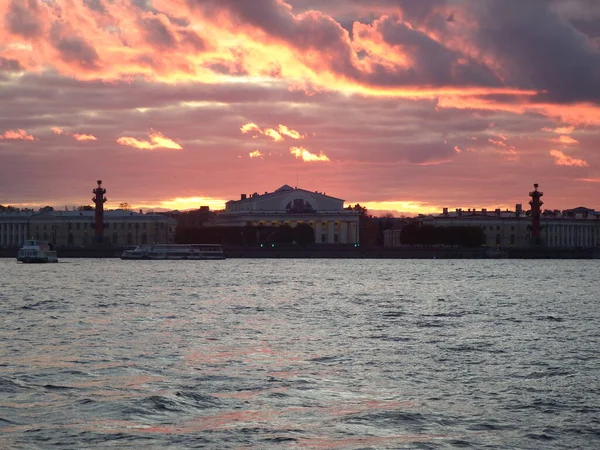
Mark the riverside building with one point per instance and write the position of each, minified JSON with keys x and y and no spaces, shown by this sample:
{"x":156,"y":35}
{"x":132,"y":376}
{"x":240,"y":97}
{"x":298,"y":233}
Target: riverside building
{"x":76,"y":228}
{"x":572,"y":228}
{"x":331,"y":223}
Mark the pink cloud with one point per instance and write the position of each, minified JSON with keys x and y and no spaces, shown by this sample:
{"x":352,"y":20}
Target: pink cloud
{"x":560,"y":130}
{"x":281,"y":133}
{"x":561,"y":159}
{"x":76,"y":136}
{"x":306,"y":156}
{"x":84,"y":137}
{"x":17,"y":135}
{"x":567,"y":140}
{"x":156,"y":141}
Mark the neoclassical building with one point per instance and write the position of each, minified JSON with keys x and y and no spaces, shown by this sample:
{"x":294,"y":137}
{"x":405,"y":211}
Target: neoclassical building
{"x":573,"y":228}
{"x":287,"y":205}
{"x":76,"y":229}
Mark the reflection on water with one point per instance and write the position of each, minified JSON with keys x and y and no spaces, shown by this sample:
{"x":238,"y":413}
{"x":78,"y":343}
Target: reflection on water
{"x":340,"y":354}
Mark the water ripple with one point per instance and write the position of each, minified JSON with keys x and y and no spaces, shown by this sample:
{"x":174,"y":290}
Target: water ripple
{"x":341,"y":354}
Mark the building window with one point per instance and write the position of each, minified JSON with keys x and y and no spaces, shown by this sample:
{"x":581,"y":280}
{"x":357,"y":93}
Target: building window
{"x":498,"y":228}
{"x":70,"y":239}
{"x":336,"y":238}
{"x":144,"y":225}
{"x":129,"y":226}
{"x":78,"y":226}
{"x":512,"y":239}
{"x":107,"y":225}
{"x":144,"y":238}
{"x":323,"y":238}
{"x":115,"y":238}
{"x":122,"y":225}
{"x":129,"y":239}
{"x":512,"y":228}
{"x":498,"y":239}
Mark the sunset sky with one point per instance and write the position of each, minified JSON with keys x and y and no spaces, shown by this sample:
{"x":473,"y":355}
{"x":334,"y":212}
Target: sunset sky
{"x":399,"y":105}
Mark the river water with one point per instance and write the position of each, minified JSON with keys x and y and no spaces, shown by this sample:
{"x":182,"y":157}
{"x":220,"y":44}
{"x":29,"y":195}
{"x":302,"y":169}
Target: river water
{"x":323,"y":354}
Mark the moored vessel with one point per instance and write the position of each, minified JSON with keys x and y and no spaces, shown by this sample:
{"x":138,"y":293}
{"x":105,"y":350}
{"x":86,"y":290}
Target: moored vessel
{"x":34,"y":251}
{"x":175,"y":252}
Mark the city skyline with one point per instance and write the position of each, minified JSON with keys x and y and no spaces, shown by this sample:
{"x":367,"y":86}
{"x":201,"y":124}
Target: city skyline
{"x":404,"y":107}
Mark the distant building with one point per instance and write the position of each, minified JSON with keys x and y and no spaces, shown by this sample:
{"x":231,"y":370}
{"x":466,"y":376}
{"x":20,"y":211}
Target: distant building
{"x":76,"y":228}
{"x":573,"y":228}
{"x":331,"y":223}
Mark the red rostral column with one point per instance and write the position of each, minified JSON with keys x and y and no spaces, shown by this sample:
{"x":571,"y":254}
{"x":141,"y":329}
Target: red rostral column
{"x":536,"y":212}
{"x":99,"y":200}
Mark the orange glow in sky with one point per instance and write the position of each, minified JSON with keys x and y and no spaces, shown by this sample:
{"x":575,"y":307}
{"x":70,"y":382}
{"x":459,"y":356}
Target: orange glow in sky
{"x":175,"y":103}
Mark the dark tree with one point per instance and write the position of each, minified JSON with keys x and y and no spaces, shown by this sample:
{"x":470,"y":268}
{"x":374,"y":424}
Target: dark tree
{"x":415,"y":234}
{"x":283,"y":235}
{"x":304,"y":234}
{"x":250,"y":234}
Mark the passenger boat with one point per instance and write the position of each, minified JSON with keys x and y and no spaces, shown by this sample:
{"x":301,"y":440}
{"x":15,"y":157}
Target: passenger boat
{"x":34,"y":251}
{"x":175,"y":251}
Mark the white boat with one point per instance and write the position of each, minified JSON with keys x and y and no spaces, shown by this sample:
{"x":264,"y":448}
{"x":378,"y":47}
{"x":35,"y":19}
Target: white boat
{"x":175,"y":251}
{"x":34,"y":251}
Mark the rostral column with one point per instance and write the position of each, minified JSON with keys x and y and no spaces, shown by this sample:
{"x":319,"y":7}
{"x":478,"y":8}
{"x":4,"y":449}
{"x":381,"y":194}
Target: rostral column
{"x":536,"y":213}
{"x":99,"y":200}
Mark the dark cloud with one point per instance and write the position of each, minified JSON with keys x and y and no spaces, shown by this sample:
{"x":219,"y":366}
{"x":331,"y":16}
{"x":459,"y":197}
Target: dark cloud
{"x":539,"y":49}
{"x":74,"y":49}
{"x":9,"y":65}
{"x":95,"y":5}
{"x":157,"y":33}
{"x":191,"y":39}
{"x":270,"y":15}
{"x":432,"y":63}
{"x":24,"y":18}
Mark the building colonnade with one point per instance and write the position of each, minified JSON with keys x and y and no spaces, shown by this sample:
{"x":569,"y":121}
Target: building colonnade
{"x":327,"y":231}
{"x":570,"y":235}
{"x":13,"y":233}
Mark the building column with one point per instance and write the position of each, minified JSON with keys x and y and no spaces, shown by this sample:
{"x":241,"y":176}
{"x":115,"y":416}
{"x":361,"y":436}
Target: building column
{"x":344,"y":233}
{"x":586,"y":234}
{"x":330,"y":231}
{"x":318,"y":231}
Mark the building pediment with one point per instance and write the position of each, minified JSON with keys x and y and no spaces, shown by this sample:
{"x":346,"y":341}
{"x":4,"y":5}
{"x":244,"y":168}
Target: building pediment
{"x":286,"y":198}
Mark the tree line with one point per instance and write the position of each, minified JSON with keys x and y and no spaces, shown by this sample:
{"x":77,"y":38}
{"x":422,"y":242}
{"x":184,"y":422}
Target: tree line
{"x":301,"y":234}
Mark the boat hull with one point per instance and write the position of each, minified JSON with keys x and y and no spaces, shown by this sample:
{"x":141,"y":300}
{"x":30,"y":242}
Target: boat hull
{"x":175,"y":252}
{"x":173,"y":258}
{"x":40,"y":260}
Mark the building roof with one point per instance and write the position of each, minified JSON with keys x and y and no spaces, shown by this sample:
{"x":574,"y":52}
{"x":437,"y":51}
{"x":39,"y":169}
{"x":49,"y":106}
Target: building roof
{"x":108,"y":214}
{"x":285,"y":189}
